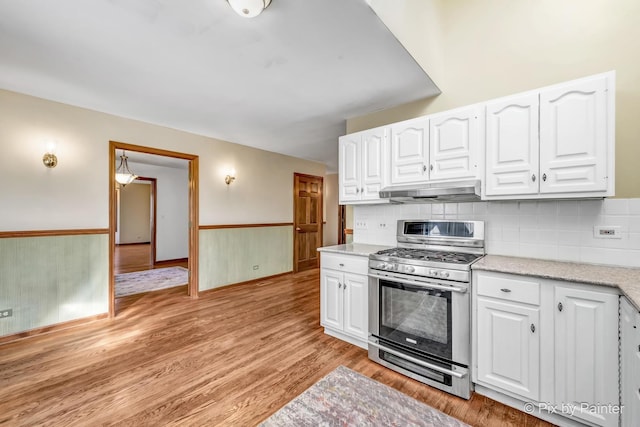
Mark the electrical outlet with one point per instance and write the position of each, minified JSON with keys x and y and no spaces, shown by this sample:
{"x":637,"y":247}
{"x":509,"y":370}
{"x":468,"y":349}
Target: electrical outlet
{"x":256,"y":267}
{"x":382,"y":226}
{"x":6,"y":313}
{"x":361,"y":225}
{"x":607,"y":232}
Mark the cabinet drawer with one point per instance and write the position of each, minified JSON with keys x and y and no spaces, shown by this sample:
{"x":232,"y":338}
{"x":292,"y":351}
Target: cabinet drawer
{"x":509,"y":288}
{"x":347,"y":263}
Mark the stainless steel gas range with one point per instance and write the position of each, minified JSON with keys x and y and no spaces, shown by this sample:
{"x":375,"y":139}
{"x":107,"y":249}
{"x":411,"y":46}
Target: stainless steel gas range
{"x":419,"y":302}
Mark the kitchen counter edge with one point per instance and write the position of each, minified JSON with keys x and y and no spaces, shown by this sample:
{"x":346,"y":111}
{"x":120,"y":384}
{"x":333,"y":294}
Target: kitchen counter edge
{"x":624,"y":278}
{"x":360,"y":249}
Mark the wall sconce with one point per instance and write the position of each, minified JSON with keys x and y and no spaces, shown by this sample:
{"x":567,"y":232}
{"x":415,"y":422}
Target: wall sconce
{"x":49,"y":159}
{"x":231,"y":176}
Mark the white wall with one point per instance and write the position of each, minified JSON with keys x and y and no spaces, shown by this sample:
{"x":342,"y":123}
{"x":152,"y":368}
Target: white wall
{"x":75,"y":194}
{"x":172,"y":228}
{"x":555,"y":230}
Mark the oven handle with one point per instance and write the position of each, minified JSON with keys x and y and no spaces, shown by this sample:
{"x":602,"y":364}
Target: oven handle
{"x":420,"y":284}
{"x":417,"y":361}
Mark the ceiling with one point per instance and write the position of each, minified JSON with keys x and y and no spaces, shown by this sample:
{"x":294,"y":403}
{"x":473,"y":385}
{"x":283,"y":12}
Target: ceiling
{"x":284,"y":81}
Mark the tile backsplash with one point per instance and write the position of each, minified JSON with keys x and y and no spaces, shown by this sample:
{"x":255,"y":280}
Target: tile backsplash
{"x":556,"y":230}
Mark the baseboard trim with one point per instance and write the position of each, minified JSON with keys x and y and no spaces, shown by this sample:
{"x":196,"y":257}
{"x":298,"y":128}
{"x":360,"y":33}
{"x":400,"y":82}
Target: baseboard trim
{"x":134,"y":243}
{"x":52,"y":328}
{"x":170,"y":261}
{"x":248,"y":282}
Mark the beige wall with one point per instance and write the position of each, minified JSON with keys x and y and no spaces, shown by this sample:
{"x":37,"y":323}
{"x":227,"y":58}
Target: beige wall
{"x":76,"y":193}
{"x":476,"y":50}
{"x":135,"y":213}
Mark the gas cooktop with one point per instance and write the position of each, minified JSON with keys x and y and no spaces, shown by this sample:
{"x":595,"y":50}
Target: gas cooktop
{"x":427,"y":255}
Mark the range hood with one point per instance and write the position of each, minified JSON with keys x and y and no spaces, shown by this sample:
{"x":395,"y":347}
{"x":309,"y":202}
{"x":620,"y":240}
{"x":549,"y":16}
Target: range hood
{"x":434,"y":192}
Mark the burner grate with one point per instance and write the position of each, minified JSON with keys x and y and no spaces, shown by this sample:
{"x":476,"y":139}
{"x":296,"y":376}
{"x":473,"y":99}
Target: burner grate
{"x":429,"y":255}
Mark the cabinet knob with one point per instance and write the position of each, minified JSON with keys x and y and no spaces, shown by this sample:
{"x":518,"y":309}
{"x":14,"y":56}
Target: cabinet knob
{"x":341,"y":265}
{"x":344,"y":286}
{"x":544,"y":176}
{"x":533,"y":328}
{"x":560,"y":307}
{"x":424,"y":168}
{"x":362,"y":190}
{"x":339,"y":285}
{"x":430,"y":167}
{"x":505,"y":290}
{"x":357,"y":190}
{"x":533,"y":177}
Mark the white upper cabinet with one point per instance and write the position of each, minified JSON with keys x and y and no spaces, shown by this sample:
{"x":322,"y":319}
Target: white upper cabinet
{"x":349,"y":167}
{"x":512,"y":145}
{"x":410,"y":151}
{"x":555,"y":142}
{"x":573,"y":136}
{"x":363,"y":165}
{"x":454,"y":139}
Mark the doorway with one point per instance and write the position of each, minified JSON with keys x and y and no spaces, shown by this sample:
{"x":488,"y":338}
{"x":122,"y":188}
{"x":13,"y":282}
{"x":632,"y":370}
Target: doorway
{"x":136,"y":218}
{"x":193,"y":168}
{"x":307,"y":221}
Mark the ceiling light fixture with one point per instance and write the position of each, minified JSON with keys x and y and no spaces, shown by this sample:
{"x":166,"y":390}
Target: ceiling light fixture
{"x":123,"y":175}
{"x":249,"y":8}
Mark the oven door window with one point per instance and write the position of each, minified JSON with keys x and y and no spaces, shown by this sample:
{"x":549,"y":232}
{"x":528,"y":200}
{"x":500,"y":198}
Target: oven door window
{"x":416,"y":317}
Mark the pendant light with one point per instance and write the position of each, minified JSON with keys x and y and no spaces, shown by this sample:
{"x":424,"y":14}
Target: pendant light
{"x":249,"y":8}
{"x":123,"y":175}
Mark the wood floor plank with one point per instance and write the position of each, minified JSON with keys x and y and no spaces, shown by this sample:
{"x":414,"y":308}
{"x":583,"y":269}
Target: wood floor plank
{"x":232,"y":357}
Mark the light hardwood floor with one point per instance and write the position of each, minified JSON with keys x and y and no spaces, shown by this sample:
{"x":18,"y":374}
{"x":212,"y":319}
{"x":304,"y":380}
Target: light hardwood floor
{"x":232,"y":357}
{"x":129,"y":258}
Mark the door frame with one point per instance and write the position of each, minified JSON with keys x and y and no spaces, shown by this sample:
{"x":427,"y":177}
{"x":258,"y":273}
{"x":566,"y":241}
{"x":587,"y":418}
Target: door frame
{"x":192,"y":287}
{"x":295,"y":221}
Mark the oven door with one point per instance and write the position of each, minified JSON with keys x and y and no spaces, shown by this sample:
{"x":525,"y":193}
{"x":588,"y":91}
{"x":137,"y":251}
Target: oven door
{"x":423,"y":315}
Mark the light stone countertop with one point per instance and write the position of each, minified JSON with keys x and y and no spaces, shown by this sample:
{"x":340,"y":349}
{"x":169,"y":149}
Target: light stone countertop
{"x":360,"y":249}
{"x":625,"y":279}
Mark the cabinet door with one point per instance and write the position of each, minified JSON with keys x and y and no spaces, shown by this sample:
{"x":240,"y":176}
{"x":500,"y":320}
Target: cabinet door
{"x":574,"y":136}
{"x":410,"y":151}
{"x":349,"y":167}
{"x":374,"y":156}
{"x":509,"y":346}
{"x":512,"y":146}
{"x":331,"y":299}
{"x":356,"y":305}
{"x":454,"y":141}
{"x":630,"y":363}
{"x":586,"y":352}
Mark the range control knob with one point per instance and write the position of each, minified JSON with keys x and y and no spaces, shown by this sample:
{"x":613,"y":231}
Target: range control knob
{"x":394,"y":267}
{"x":382,"y":266}
{"x":409,"y":269}
{"x":445,"y":274}
{"x":433,"y":272}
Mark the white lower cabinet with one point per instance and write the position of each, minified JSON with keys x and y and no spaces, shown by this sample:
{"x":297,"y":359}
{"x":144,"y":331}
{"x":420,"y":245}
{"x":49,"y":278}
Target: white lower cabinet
{"x":586,"y":354}
{"x":551,"y":343}
{"x":344,"y":297}
{"x":630,"y":361}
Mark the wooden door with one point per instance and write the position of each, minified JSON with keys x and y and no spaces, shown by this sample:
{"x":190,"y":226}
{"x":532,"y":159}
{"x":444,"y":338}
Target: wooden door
{"x":573,"y":137}
{"x":307,"y":221}
{"x":454,"y":140}
{"x":512,"y":146}
{"x":410,"y":151}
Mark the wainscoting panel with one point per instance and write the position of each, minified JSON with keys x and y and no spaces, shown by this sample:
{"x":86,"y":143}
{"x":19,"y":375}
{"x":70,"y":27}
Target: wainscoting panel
{"x":229,"y":255}
{"x":50,"y":280}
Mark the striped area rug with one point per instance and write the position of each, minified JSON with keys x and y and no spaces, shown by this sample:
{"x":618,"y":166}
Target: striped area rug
{"x":150,"y":280}
{"x":347,"y":398}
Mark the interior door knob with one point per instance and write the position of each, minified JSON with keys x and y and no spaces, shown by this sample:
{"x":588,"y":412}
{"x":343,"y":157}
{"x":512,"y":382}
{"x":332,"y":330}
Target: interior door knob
{"x":298,"y":229}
